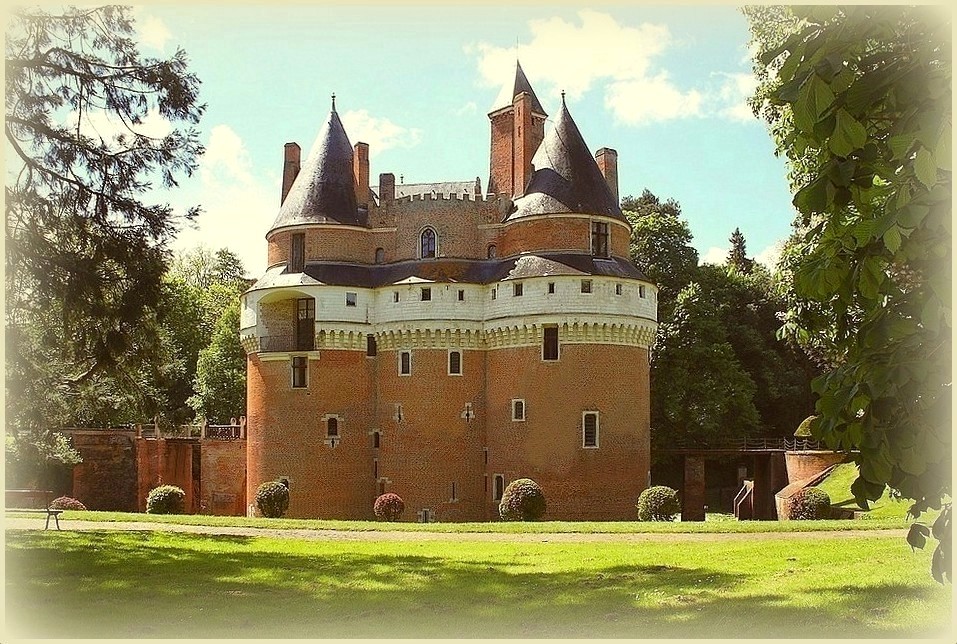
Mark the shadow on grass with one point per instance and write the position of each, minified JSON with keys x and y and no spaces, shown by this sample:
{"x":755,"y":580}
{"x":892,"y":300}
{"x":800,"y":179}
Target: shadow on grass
{"x":159,"y":585}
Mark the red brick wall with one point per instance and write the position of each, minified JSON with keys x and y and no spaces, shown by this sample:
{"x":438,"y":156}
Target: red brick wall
{"x":500,"y":156}
{"x":579,"y":483}
{"x":286,"y":434}
{"x":802,"y":465}
{"x":433,"y":446}
{"x":335,"y":243}
{"x":106,"y":479}
{"x":223,"y":477}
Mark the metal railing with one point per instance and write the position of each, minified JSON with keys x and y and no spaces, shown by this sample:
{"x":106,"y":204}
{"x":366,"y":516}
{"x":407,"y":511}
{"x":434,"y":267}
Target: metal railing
{"x":755,"y":444}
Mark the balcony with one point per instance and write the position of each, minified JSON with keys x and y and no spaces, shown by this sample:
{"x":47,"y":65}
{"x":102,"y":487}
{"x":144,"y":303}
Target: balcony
{"x":278,"y":343}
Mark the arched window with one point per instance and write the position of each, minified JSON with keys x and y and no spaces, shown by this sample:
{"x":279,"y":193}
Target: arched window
{"x":332,"y":427}
{"x":492,"y":251}
{"x":427,"y":243}
{"x":379,"y":255}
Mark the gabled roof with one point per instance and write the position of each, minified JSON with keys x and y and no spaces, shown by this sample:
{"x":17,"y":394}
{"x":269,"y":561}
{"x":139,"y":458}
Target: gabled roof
{"x":515,"y":87}
{"x":566,"y":177}
{"x":324,"y":191}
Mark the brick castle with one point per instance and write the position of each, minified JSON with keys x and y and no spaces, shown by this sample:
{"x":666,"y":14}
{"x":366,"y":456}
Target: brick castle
{"x":435,"y":342}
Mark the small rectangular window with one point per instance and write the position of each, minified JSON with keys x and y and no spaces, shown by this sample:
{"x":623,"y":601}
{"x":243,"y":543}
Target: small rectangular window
{"x":599,"y":239}
{"x":405,"y":363}
{"x":426,"y":294}
{"x":395,"y":296}
{"x":518,"y":409}
{"x":455,"y":363}
{"x":641,"y":291}
{"x":617,"y":289}
{"x":332,"y":427}
{"x":461,"y":295}
{"x":498,"y":487}
{"x":371,"y":347}
{"x":350,"y":299}
{"x":551,"y":288}
{"x":299,"y":371}
{"x":376,"y":439}
{"x":297,"y":254}
{"x":590,"y":429}
{"x":517,"y":289}
{"x":550,"y":343}
{"x":586,"y":286}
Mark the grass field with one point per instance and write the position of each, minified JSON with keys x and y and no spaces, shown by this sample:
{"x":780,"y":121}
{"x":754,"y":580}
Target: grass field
{"x":156,"y":584}
{"x":838,"y":487}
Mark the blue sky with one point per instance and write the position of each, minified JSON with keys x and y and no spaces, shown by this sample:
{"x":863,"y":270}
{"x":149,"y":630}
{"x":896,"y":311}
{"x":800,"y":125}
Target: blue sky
{"x":663,"y":85}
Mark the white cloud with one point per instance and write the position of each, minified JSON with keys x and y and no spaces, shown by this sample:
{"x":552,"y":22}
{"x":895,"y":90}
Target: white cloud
{"x":623,"y":60}
{"x":238,"y":205}
{"x":468,"y":108}
{"x":714,"y":255}
{"x":731,"y":99}
{"x":770,"y":255}
{"x":152,"y":32}
{"x":99,"y":124}
{"x":380,"y":133}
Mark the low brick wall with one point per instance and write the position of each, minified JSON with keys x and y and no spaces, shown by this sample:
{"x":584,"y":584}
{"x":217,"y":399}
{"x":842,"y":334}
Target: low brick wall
{"x":805,"y":464}
{"x":223,"y":476}
{"x":106,"y":479}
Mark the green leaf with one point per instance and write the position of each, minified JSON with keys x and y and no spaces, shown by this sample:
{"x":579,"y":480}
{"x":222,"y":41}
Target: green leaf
{"x":925,"y":167}
{"x":848,"y":135}
{"x":943,"y":151}
{"x":892,"y":239}
{"x":917,"y":536}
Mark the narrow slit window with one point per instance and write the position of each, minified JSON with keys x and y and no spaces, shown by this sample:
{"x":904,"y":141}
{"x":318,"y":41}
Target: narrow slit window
{"x":461,"y":295}
{"x":405,"y":363}
{"x":641,"y":291}
{"x":395,"y":296}
{"x":297,"y":254}
{"x":299,"y":371}
{"x":518,"y":409}
{"x":498,"y":487}
{"x":590,"y":429}
{"x":455,"y":363}
{"x":551,"y":288}
{"x":371,"y":346}
{"x":617,"y":289}
{"x":376,"y":439}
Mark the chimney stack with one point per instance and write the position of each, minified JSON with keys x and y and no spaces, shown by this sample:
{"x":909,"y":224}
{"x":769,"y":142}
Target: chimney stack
{"x":360,"y":170}
{"x":386,"y":188}
{"x":607,"y":160}
{"x":292,"y":155}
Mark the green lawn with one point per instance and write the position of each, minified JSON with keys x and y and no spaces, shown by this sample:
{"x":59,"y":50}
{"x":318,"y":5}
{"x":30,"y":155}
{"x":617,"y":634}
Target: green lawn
{"x":155,"y":584}
{"x":838,"y":487}
{"x":715,"y":523}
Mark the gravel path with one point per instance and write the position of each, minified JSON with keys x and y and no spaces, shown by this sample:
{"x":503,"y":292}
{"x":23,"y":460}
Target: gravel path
{"x":345,"y":535}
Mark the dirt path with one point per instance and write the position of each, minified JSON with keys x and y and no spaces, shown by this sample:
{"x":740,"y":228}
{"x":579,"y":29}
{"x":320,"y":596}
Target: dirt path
{"x":345,"y":535}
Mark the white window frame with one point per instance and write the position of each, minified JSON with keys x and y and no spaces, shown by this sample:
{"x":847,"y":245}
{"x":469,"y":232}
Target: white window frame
{"x":524,"y":410}
{"x":597,"y":428}
{"x":448,"y":362}
{"x":292,"y":372}
{"x":399,"y":366}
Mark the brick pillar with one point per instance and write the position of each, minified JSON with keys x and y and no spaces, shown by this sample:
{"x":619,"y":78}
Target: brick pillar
{"x":523,"y":150}
{"x":607,"y":160}
{"x":360,"y":170}
{"x":692,"y":503}
{"x":292,"y":155}
{"x":386,"y":188}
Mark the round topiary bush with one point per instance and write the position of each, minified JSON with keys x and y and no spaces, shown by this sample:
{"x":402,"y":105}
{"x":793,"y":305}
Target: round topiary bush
{"x":804,"y":429}
{"x":810,"y":503}
{"x":522,"y":500}
{"x":272,"y":499}
{"x":388,"y":507}
{"x":658,"y":503}
{"x":166,"y":499}
{"x":66,"y":503}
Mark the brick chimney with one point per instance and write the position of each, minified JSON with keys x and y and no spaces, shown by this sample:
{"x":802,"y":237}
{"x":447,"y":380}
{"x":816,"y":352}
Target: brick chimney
{"x":386,"y":188}
{"x":521,"y":142}
{"x":360,"y":170}
{"x":292,"y":155}
{"x":607,"y":160}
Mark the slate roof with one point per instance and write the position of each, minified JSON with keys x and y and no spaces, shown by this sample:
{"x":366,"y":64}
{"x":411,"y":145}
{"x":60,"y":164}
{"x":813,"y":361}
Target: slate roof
{"x":323,"y":191}
{"x":518,"y":85}
{"x":566,"y":177}
{"x":451,"y":270}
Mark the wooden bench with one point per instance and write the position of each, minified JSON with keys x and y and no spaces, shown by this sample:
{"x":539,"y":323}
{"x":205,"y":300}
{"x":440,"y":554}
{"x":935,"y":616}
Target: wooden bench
{"x":28,"y":500}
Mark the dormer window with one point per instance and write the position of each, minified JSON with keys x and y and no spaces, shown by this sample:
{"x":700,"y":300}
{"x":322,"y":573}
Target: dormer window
{"x":427,"y":244}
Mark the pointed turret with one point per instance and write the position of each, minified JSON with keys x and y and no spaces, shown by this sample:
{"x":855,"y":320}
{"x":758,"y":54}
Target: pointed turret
{"x":324,"y":189}
{"x":517,"y":126}
{"x":566,"y":177}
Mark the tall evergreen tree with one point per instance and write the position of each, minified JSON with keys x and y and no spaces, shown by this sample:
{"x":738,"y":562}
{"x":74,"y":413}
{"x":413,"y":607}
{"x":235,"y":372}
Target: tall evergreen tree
{"x":738,"y":255}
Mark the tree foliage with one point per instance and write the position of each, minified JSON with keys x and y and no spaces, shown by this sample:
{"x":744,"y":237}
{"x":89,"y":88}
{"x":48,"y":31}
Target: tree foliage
{"x":86,"y":238}
{"x":859,"y":99}
{"x":738,"y":254}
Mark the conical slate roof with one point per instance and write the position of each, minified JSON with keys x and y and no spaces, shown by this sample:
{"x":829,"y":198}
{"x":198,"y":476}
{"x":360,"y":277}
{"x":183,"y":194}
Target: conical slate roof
{"x":324,"y":191}
{"x":517,"y":86}
{"x":566,"y":177}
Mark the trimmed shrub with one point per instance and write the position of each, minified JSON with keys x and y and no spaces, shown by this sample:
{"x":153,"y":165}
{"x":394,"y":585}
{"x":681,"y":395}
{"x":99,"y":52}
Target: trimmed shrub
{"x":522,"y":500}
{"x":658,"y":503}
{"x":388,"y":507}
{"x":272,"y":499}
{"x":804,"y":429}
{"x":66,"y":503}
{"x":810,"y":503}
{"x":166,"y":499}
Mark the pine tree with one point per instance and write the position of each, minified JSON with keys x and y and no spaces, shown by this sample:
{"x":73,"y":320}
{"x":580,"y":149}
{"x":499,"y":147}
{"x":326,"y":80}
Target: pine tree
{"x":738,"y":255}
